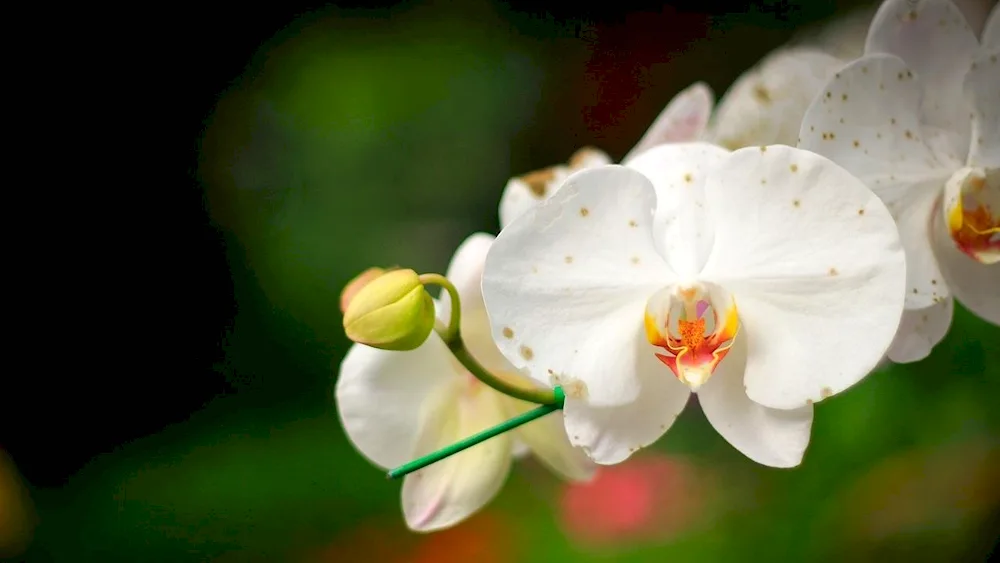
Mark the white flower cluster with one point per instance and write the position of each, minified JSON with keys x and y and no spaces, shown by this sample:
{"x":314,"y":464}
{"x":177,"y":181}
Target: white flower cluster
{"x":764,"y":257}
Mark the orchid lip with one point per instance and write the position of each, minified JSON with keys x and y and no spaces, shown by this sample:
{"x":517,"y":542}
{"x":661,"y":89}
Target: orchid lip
{"x":973,"y":213}
{"x":693,"y":349}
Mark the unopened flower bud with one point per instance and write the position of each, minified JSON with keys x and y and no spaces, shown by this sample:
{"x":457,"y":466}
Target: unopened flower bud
{"x":393,"y":311}
{"x":355,"y":285}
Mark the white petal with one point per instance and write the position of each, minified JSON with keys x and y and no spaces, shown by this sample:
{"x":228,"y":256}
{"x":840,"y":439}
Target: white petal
{"x":449,"y":491}
{"x":935,"y":40}
{"x":524,"y":192}
{"x":466,"y":272}
{"x":566,"y":284}
{"x":610,"y":435}
{"x":772,"y":437}
{"x":976,"y":13}
{"x":814,"y":263}
{"x":920,"y":331}
{"x":684,"y":119}
{"x":371,"y":378}
{"x":766,"y":104}
{"x":991,"y":33}
{"x":546,"y":438}
{"x":975,"y":285}
{"x":681,"y":226}
{"x":924,"y":287}
{"x":982,"y":90}
{"x":520,"y":450}
{"x":866,"y":121}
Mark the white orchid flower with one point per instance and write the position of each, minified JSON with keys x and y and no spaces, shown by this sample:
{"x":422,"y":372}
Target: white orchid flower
{"x":684,"y":119}
{"x":765,"y":105}
{"x":397,"y":406}
{"x":918,"y":120}
{"x":605,"y":290}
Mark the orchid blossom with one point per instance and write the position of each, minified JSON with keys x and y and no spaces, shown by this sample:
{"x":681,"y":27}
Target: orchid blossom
{"x":399,"y":405}
{"x":917,"y":118}
{"x":764,"y":280}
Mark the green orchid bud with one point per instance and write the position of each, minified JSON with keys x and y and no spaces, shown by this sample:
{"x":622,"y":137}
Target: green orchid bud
{"x":393,"y":311}
{"x":357,"y":284}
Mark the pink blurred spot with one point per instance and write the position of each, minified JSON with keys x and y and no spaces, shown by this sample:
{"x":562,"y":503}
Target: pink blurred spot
{"x":650,"y":497}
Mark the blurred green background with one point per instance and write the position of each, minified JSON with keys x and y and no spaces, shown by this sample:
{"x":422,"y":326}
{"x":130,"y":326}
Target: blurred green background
{"x":383,"y":136}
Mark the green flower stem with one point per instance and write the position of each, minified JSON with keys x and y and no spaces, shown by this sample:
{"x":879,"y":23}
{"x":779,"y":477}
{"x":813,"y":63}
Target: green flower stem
{"x":453,"y":338}
{"x":451,"y":333}
{"x":467,"y":443}
{"x":532,"y":395}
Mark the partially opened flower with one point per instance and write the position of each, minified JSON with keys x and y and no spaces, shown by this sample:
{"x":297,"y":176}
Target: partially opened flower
{"x":764,"y":280}
{"x":684,"y":119}
{"x":918,"y":120}
{"x":396,"y":406}
{"x":766,"y":104}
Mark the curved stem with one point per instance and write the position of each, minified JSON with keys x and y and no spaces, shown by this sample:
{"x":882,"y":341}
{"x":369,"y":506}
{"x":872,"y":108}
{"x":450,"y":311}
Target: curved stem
{"x":451,"y":333}
{"x":453,"y":338}
{"x":532,"y":395}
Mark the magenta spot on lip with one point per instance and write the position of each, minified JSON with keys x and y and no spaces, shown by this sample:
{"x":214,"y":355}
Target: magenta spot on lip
{"x":700,"y":308}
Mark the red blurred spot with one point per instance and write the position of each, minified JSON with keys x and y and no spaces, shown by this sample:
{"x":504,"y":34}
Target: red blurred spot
{"x":17,"y":514}
{"x":484,"y":538}
{"x":370,"y":541}
{"x":650,"y":497}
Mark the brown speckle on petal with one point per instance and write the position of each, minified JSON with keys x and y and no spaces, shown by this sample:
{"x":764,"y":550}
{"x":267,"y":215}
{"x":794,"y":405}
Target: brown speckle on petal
{"x":527,"y":353}
{"x":538,"y":181}
{"x":581,"y":156}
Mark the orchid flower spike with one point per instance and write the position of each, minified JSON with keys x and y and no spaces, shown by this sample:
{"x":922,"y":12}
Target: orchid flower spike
{"x":396,"y":406}
{"x":917,"y":118}
{"x":684,"y":119}
{"x":764,"y":280}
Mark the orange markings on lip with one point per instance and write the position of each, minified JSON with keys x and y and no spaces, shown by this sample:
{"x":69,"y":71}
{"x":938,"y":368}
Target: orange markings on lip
{"x":974,"y":231}
{"x":693,"y":355}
